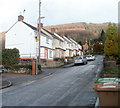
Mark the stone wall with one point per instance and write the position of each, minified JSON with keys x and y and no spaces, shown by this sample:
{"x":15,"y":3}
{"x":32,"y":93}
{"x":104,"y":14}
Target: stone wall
{"x":52,"y":64}
{"x":109,"y":64}
{"x":21,"y":71}
{"x":110,"y":69}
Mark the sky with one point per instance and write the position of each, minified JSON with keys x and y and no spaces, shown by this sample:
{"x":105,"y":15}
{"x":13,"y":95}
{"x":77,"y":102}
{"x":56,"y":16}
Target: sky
{"x":58,"y":11}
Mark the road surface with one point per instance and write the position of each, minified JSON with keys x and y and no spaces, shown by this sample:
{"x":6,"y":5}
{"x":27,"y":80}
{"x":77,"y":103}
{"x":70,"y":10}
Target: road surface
{"x":67,"y":86}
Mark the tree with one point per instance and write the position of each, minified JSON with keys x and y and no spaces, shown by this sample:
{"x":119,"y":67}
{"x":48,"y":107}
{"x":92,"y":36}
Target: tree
{"x":102,"y":37}
{"x":111,"y":42}
{"x":98,"y":48}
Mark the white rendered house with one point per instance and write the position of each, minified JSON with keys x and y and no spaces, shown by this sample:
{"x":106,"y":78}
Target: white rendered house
{"x":22,"y":36}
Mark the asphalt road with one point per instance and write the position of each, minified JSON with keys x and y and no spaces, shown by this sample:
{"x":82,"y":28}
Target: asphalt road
{"x":67,"y":86}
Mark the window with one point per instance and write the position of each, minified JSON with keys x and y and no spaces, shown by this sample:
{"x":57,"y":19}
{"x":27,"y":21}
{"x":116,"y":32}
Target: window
{"x":47,"y":40}
{"x":60,"y":43}
{"x":50,"y":53}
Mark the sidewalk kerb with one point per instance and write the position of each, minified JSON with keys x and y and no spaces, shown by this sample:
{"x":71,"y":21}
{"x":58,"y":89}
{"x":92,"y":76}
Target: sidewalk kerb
{"x":34,"y":79}
{"x":8,"y":85}
{"x":97,"y":103}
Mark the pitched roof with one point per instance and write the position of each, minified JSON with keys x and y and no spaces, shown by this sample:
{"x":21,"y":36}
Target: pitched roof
{"x":58,"y":36}
{"x":54,"y":35}
{"x":48,"y":31}
{"x":11,"y":27}
{"x":32,"y":27}
{"x":68,"y":40}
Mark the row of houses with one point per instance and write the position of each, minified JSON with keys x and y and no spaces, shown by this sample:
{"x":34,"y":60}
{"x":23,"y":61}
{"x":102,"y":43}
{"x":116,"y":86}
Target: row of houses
{"x":24,"y":37}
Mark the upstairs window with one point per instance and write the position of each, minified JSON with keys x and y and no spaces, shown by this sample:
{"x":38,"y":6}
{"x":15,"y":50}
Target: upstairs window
{"x":47,"y":41}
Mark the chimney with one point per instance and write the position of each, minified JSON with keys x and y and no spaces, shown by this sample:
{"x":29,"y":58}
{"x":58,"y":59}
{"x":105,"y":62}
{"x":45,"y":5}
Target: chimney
{"x":40,"y":25}
{"x":53,"y":30}
{"x":20,"y":18}
{"x":62,"y":34}
{"x":68,"y":36}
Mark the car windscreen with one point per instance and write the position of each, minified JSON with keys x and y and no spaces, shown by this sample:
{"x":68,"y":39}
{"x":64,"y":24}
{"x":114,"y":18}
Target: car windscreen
{"x":89,"y":56}
{"x":78,"y":58}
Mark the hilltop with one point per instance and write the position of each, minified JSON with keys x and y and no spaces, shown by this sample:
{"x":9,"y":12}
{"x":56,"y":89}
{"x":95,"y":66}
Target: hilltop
{"x":79,"y":31}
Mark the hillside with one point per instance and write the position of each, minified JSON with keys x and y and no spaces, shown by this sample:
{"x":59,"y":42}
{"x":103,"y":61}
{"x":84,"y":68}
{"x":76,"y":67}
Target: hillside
{"x":79,"y":31}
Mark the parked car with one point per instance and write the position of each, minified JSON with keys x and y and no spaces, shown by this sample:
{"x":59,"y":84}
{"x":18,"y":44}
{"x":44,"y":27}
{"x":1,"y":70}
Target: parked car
{"x":80,"y":60}
{"x":90,"y":57}
{"x":2,"y":69}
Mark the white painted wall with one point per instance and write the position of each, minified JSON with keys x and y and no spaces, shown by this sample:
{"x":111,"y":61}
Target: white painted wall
{"x":20,"y":36}
{"x":42,"y":50}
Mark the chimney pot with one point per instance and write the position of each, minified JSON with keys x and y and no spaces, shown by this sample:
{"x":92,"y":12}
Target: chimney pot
{"x":20,"y":18}
{"x":53,"y":30}
{"x":69,"y":36}
{"x":40,"y":25}
{"x":62,"y":34}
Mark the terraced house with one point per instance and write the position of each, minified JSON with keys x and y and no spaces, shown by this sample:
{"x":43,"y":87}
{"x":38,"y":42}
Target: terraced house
{"x":24,"y":37}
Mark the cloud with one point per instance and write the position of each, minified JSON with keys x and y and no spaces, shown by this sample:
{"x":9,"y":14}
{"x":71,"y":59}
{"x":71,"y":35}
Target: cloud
{"x":58,"y":11}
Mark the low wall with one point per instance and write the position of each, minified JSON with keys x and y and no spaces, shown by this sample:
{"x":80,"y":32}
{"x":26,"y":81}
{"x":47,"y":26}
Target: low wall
{"x":23,"y":71}
{"x":110,"y":69}
{"x":109,"y":64}
{"x":20,"y":71}
{"x":52,"y":64}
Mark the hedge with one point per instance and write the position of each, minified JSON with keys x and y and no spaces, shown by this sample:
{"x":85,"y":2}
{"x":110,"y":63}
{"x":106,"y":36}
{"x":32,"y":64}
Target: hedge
{"x":10,"y":56}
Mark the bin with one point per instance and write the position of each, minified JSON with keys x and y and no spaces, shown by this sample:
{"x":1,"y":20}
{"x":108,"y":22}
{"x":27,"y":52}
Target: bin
{"x":105,"y":80}
{"x":108,"y":90}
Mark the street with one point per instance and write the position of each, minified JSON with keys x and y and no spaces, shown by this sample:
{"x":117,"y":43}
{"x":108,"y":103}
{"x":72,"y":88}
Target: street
{"x":66,"y":86}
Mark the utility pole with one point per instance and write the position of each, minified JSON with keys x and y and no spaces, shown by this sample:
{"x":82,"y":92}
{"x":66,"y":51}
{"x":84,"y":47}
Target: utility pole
{"x":38,"y":61}
{"x":39,"y":30}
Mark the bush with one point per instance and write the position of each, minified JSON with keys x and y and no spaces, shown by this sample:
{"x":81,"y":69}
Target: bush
{"x":39,"y":67}
{"x":59,"y":59}
{"x":114,"y":71}
{"x":10,"y":56}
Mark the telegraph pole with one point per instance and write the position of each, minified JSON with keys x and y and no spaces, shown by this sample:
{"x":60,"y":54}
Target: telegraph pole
{"x":39,"y":30}
{"x":38,"y":61}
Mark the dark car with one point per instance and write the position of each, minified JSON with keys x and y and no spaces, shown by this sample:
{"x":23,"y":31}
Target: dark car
{"x":2,"y":69}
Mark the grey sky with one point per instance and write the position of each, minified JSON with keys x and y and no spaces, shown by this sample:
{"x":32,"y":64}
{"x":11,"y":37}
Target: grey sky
{"x":58,"y":11}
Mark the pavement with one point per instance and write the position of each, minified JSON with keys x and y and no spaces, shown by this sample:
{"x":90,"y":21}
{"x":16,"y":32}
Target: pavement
{"x":11,"y":79}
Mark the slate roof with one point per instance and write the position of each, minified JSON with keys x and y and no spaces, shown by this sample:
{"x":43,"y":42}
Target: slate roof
{"x":32,"y":27}
{"x":54,"y":35}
